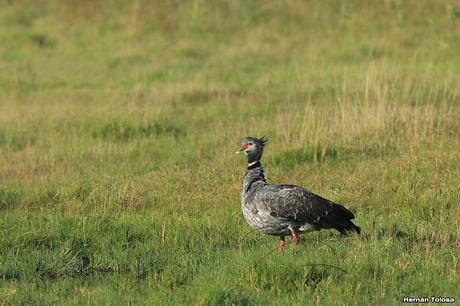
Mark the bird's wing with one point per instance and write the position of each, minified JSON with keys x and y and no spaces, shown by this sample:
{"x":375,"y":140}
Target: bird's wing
{"x":299,"y":205}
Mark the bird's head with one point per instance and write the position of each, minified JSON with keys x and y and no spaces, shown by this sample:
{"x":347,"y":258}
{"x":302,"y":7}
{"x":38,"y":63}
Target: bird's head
{"x":253,"y":148}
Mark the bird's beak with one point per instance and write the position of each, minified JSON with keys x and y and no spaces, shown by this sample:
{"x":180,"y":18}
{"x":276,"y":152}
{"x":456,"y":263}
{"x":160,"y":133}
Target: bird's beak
{"x":242,"y":148}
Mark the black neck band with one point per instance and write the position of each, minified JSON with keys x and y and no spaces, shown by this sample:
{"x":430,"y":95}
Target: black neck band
{"x":256,"y":165}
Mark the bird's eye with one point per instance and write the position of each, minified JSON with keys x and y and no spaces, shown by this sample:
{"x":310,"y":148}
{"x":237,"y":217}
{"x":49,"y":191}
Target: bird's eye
{"x":250,"y":143}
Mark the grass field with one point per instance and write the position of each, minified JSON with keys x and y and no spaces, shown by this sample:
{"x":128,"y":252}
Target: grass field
{"x":119,"y":122}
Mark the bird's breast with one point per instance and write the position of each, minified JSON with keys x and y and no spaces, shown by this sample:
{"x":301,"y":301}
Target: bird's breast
{"x":263,"y":221}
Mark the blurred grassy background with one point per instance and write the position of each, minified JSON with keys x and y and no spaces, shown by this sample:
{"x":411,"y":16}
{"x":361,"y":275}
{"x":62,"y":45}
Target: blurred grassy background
{"x":118,"y":126}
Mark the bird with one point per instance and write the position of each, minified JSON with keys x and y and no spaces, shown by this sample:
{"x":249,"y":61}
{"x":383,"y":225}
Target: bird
{"x":286,"y":210}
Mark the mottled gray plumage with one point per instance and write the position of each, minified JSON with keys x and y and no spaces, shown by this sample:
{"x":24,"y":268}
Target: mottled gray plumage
{"x":286,"y":209}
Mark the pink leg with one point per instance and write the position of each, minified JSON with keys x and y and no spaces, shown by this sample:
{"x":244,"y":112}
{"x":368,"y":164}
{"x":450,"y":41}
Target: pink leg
{"x":282,"y":244}
{"x":295,"y":236}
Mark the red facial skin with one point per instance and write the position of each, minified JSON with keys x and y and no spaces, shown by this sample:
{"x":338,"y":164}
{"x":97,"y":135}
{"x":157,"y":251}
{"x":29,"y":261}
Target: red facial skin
{"x":245,"y":146}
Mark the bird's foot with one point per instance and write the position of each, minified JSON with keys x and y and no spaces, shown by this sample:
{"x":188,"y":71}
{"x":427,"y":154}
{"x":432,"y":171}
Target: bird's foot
{"x":282,"y":245}
{"x":295,"y":236}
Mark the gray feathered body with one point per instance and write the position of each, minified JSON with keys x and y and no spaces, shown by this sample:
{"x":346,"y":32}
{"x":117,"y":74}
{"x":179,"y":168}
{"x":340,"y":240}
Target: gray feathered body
{"x":272,"y":209}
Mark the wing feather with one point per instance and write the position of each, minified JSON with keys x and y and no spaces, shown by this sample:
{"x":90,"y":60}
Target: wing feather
{"x":297,"y":205}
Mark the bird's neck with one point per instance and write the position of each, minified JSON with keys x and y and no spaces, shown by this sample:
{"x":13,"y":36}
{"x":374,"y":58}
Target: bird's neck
{"x":255,"y":174}
{"x":253,"y":165}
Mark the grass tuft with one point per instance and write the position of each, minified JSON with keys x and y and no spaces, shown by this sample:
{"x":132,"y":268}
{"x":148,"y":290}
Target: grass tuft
{"x":9,"y":198}
{"x":228,"y":296}
{"x":290,"y":159}
{"x":115,"y":131}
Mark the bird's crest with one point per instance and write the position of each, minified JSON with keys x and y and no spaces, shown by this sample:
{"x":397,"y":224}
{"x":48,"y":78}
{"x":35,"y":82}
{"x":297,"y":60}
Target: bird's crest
{"x":263,"y":140}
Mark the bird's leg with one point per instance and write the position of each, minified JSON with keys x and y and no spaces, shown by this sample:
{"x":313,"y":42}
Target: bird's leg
{"x":295,"y":236}
{"x":282,"y":244}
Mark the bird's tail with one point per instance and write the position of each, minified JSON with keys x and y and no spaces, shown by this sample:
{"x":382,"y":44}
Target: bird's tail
{"x":344,"y":224}
{"x":348,"y":227}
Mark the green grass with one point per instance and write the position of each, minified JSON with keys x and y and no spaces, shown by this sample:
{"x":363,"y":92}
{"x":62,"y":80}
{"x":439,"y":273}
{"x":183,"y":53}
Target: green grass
{"x":118,"y":126}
